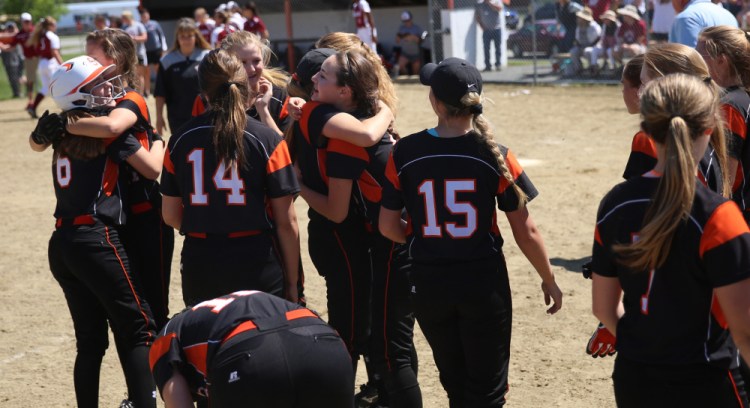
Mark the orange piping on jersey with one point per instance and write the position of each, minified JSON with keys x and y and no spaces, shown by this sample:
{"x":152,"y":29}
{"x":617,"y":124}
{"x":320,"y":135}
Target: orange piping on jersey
{"x":515,"y":170}
{"x":322,"y":157}
{"x":725,"y":224}
{"x":391,"y":174}
{"x":718,"y":313}
{"x":249,"y":325}
{"x":597,"y":237}
{"x":734,"y":387}
{"x":160,"y":347}
{"x":284,"y":108}
{"x":198,"y":107}
{"x":168,"y":165}
{"x":348,"y":149}
{"x":136,"y":98}
{"x":304,"y":120}
{"x":643,"y":144}
{"x":109,"y":179}
{"x":196,"y":355}
{"x":734,"y":121}
{"x":79,"y":220}
{"x":279,"y":158}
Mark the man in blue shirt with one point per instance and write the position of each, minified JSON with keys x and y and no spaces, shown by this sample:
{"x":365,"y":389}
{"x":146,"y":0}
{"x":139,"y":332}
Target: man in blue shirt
{"x":694,"y":16}
{"x":487,"y":16}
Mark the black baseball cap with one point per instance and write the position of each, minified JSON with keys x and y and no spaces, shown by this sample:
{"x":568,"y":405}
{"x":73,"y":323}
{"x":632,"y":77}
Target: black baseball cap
{"x":310,"y":64}
{"x":451,"y":79}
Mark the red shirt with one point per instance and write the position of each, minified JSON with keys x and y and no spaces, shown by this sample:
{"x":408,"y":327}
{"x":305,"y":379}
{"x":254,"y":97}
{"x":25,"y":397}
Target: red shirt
{"x":29,"y":51}
{"x":630,"y":34}
{"x":255,"y":25}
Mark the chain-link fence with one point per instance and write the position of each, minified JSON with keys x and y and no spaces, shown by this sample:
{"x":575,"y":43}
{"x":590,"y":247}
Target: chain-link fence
{"x":535,"y":46}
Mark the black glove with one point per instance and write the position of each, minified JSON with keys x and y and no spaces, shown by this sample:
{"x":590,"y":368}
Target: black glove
{"x":50,"y":129}
{"x":586,"y":269}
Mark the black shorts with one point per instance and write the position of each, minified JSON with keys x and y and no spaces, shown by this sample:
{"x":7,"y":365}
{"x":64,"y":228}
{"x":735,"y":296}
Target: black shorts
{"x":153,"y":57}
{"x":316,"y":371}
{"x":698,"y":385}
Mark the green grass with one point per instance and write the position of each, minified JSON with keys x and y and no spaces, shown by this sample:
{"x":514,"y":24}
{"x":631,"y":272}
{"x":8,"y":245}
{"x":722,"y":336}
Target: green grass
{"x":5,"y":90}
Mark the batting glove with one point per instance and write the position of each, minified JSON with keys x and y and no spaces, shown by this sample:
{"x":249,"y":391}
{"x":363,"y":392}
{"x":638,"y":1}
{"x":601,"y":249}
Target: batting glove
{"x":602,"y":343}
{"x":50,"y":128}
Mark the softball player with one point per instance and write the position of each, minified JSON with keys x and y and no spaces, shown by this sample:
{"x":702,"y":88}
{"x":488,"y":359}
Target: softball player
{"x":47,"y":45}
{"x":365,"y":24}
{"x":85,"y":252}
{"x":148,"y":240}
{"x":218,"y":173}
{"x":229,"y":349}
{"x":725,"y":50}
{"x":448,"y":178}
{"x":679,"y":252}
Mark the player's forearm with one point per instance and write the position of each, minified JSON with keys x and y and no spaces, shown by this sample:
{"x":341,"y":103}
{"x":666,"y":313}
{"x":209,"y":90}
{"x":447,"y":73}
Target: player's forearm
{"x":606,"y":302}
{"x":176,"y":393}
{"x":171,"y":208}
{"x":391,"y":225}
{"x":36,"y":146}
{"x":160,"y":102}
{"x":288,"y":233}
{"x":531,"y":243}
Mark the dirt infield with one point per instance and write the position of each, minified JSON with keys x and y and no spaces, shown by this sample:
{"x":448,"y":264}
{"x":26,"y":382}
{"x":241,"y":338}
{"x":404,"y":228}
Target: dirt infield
{"x":573,"y":142}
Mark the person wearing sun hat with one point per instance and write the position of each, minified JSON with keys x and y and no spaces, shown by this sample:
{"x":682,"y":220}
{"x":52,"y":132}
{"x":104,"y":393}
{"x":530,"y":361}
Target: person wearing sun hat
{"x":588,"y":32}
{"x":695,"y":15}
{"x":631,"y":36}
{"x":606,"y":46}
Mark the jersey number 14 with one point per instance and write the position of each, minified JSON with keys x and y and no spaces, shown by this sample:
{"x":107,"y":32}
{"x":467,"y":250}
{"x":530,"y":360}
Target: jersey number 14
{"x":433,"y":228}
{"x":224,"y":178}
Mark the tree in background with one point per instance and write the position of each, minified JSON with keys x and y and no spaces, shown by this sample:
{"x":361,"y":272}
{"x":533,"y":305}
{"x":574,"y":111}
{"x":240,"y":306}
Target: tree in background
{"x":37,"y":8}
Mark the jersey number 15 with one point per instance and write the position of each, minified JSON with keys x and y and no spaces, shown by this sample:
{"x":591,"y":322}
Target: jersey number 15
{"x":433,"y":228}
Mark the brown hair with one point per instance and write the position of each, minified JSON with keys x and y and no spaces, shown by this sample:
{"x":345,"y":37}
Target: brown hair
{"x":238,"y":39}
{"x":78,"y":147}
{"x":671,"y":58}
{"x":118,"y":45}
{"x":224,"y":82}
{"x":39,"y":30}
{"x":676,"y":110}
{"x":734,"y":44}
{"x":356,"y":72}
{"x":187,"y":25}
{"x":347,"y":41}
{"x":631,"y":72}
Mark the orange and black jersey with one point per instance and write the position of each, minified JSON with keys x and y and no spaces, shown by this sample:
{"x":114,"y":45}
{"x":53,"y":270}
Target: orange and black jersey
{"x":277,"y":107}
{"x":219,"y":199}
{"x":671,"y":314}
{"x":308,"y":144}
{"x":365,"y":166}
{"x":191,"y":339}
{"x":643,"y":159}
{"x":449,"y":187}
{"x":736,"y":107}
{"x":91,"y":187}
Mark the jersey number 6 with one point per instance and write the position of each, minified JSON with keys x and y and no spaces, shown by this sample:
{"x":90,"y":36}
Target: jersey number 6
{"x":432,"y":228}
{"x":233,"y":184}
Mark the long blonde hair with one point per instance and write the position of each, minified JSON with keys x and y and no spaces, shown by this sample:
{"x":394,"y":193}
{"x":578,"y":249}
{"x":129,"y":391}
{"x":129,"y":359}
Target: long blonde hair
{"x":224,"y":82}
{"x":118,"y":45}
{"x":471,"y":105}
{"x":676,"y":110}
{"x":347,"y":41}
{"x":238,"y":39}
{"x":671,"y":58}
{"x":187,"y":25}
{"x":40,"y":29}
{"x":734,"y":44}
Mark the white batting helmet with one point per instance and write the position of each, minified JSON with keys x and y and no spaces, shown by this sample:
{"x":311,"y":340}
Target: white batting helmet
{"x":69,"y":88}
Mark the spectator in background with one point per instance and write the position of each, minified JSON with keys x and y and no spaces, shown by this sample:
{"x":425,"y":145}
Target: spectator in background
{"x":631,"y":37}
{"x":365,"y":24}
{"x":235,"y":15}
{"x":695,"y":15}
{"x":606,"y":47}
{"x":177,"y":79}
{"x":588,"y":33}
{"x":47,"y":44}
{"x":663,"y":18}
{"x":566,"y":16}
{"x":12,"y":60}
{"x":115,"y":22}
{"x":31,"y":59}
{"x":598,"y":7}
{"x":487,"y":16}
{"x":223,"y":28}
{"x":205,"y":23}
{"x":156,"y":44}
{"x":409,"y":39}
{"x":138,"y":33}
{"x":101,"y":22}
{"x":254,"y":24}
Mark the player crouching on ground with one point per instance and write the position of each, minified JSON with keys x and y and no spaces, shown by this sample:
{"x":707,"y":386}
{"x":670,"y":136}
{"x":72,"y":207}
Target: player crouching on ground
{"x":230,"y":349}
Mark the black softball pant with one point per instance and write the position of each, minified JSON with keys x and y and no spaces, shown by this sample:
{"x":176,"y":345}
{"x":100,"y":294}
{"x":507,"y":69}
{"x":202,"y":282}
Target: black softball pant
{"x":700,"y":385}
{"x":465,"y":313}
{"x":392,"y":349}
{"x":149,"y":243}
{"x":340,"y":253}
{"x":300,"y":367}
{"x":90,"y":264}
{"x":217,"y":266}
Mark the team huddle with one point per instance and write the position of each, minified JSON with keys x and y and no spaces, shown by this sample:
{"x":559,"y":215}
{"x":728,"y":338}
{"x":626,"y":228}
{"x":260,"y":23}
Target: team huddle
{"x":402,"y":229}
